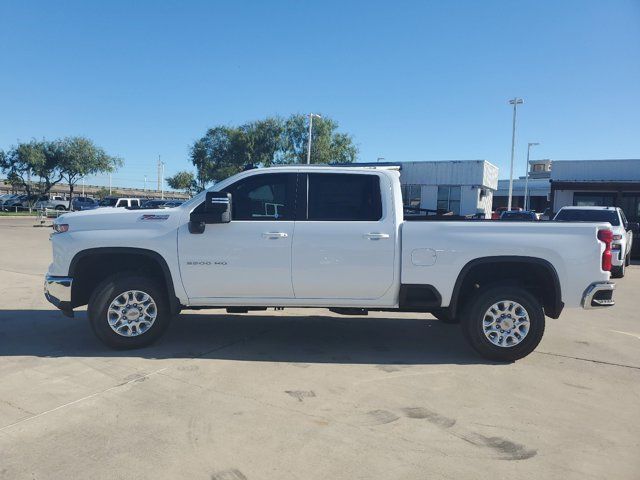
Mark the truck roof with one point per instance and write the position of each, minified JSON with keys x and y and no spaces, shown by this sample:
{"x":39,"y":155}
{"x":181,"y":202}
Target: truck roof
{"x":339,"y":166}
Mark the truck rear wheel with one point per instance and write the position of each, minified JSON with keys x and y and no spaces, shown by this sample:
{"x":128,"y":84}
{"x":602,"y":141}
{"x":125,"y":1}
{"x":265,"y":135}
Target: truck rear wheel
{"x":503,"y":323}
{"x":128,"y":311}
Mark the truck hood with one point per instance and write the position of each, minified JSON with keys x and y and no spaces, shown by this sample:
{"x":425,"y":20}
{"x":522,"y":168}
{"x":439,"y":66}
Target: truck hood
{"x":112,"y":218}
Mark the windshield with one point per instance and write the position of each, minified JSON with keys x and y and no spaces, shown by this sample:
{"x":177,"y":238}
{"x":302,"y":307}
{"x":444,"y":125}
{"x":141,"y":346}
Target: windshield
{"x":571,"y":215}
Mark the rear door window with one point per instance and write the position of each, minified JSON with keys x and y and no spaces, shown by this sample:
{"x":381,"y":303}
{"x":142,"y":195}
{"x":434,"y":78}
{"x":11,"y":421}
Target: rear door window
{"x":343,"y":197}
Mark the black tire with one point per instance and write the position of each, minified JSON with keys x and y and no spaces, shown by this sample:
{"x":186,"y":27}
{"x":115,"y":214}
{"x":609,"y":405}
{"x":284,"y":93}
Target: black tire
{"x":445,"y":317}
{"x":60,"y":207}
{"x":473,"y":322}
{"x":618,"y":272}
{"x":108,"y":291}
{"x":627,"y":259}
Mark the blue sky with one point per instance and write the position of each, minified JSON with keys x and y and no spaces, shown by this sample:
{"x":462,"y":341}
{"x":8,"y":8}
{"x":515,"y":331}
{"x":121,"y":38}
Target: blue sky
{"x":410,"y":80}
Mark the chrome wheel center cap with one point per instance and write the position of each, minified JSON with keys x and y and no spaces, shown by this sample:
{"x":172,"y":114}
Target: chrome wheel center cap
{"x":506,"y":324}
{"x":132,"y":314}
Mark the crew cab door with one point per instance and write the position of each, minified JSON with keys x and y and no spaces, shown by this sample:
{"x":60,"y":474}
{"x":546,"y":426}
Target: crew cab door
{"x":249,"y":257}
{"x":345,"y":237}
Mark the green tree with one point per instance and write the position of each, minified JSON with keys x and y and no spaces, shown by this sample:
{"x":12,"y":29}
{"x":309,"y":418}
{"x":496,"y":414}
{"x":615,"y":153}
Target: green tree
{"x":219,"y":154}
{"x":31,"y":166}
{"x":78,"y":157}
{"x":261,"y":141}
{"x":185,"y":181}
{"x":224,"y":151}
{"x":327,"y":144}
{"x":101,"y":193}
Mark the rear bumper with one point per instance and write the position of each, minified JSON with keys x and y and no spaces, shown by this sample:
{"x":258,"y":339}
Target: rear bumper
{"x":57,"y":290}
{"x":599,"y":295}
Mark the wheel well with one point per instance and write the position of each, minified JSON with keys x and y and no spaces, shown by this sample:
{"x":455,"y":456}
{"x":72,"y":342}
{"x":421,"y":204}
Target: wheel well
{"x":535,"y":275}
{"x":88,"y":269}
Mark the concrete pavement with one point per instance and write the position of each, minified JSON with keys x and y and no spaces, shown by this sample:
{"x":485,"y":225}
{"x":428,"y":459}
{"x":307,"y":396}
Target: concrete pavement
{"x":308,"y":394}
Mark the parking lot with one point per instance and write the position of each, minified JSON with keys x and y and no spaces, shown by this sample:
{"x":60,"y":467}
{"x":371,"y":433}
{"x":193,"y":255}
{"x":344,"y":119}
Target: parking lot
{"x":307,"y":394}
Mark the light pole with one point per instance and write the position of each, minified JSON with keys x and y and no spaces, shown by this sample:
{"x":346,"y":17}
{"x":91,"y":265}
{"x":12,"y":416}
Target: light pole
{"x":311,"y":115}
{"x":526,"y":178}
{"x":515,"y":102}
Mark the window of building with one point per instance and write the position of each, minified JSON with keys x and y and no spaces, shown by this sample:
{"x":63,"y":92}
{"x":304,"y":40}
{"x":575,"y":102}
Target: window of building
{"x":263,"y":197}
{"x":593,"y":199}
{"x":411,"y":195}
{"x":344,"y":197}
{"x":449,"y":198}
{"x":631,"y":206}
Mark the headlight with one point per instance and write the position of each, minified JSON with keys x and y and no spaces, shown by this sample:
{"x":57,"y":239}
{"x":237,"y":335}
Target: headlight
{"x":617,"y":237}
{"x":60,"y":227}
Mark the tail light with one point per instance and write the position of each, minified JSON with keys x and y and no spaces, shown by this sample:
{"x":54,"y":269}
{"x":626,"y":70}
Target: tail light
{"x":606,"y":236}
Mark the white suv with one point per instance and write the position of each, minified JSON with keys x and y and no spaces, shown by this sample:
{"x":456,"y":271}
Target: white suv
{"x":622,"y":231}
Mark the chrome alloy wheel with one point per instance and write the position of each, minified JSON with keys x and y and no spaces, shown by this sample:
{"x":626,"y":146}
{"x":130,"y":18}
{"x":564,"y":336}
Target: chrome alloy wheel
{"x":506,"y":323}
{"x":132,"y":313}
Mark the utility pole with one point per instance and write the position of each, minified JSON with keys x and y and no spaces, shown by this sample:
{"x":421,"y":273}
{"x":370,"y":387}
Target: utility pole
{"x":515,"y":102}
{"x":526,"y":178}
{"x":162,"y":180}
{"x":159,"y":173}
{"x":311,"y":115}
{"x":109,"y":184}
{"x":145,"y":183}
{"x":83,"y":186}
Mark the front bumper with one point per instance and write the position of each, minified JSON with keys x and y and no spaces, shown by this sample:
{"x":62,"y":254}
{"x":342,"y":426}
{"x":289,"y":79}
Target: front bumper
{"x":599,"y":295}
{"x":58,"y":291}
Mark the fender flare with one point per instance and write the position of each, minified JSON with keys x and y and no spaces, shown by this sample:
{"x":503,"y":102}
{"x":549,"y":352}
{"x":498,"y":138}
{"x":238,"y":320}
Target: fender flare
{"x":155,"y":256}
{"x":552,"y":311}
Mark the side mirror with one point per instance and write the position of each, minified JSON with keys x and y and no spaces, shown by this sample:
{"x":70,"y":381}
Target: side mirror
{"x":634,"y":227}
{"x":217,"y":209}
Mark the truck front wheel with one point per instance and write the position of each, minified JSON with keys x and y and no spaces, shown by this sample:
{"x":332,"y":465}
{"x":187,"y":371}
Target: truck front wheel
{"x":128,"y":311}
{"x":503,"y":323}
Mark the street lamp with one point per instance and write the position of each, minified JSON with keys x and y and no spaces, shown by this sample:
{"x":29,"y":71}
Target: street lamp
{"x":526,"y":178}
{"x":515,"y":102}
{"x":311,"y":115}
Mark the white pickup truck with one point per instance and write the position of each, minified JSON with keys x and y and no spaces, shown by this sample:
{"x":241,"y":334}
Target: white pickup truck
{"x":333,"y":237}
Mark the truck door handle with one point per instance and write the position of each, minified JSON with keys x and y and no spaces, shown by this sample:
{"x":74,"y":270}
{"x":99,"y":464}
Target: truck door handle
{"x":376,"y":236}
{"x":275,"y":235}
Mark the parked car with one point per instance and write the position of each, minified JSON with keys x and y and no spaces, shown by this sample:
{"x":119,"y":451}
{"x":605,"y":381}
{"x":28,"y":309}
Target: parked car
{"x":623,"y":231}
{"x":519,"y":216}
{"x":56,"y":202}
{"x":172,"y":203}
{"x":547,"y":214}
{"x":153,"y":203}
{"x":16,"y":203}
{"x":6,"y":198}
{"x":158,"y":203}
{"x":337,"y":237}
{"x":497,"y":213}
{"x":119,"y":202}
{"x":83,"y":203}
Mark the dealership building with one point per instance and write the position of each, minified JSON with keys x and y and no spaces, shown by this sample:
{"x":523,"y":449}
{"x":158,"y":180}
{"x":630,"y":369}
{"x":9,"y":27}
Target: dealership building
{"x":464,"y":187}
{"x":597,"y":182}
{"x":537,"y":188}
